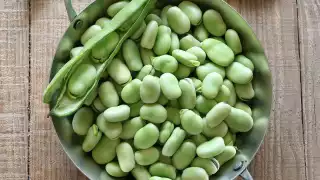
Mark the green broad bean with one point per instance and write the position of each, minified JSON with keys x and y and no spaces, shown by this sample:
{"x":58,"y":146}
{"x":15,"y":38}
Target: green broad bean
{"x":229,"y":139}
{"x":130,"y":94}
{"x":163,"y":170}
{"x":245,"y":92}
{"x":154,"y":17}
{"x":100,"y":52}
{"x":211,"y":85}
{"x":244,"y":61}
{"x":158,"y":178}
{"x":146,"y":70}
{"x":82,"y":120}
{"x":218,"y":52}
{"x":193,"y":173}
{"x":188,"y":42}
{"x":165,"y":132}
{"x":139,"y":32}
{"x":223,"y":95}
{"x":193,"y":12}
{"x":233,"y":96}
{"x":191,"y":122}
{"x":174,"y":142}
{"x":199,"y":139}
{"x":165,"y":64}
{"x":146,"y":137}
{"x":75,"y":51}
{"x":197,"y":51}
{"x":119,"y":72}
{"x":111,"y":130}
{"x":239,"y":74}
{"x":188,"y":98}
{"x":214,"y":23}
{"x":108,"y":95}
{"x":103,"y":22}
{"x":239,"y":120}
{"x":174,"y":104}
{"x":186,"y":58}
{"x":162,"y":100}
{"x":130,"y":128}
{"x":211,"y":148}
{"x":125,"y":157}
{"x":114,"y":170}
{"x":135,"y":109}
{"x":117,"y":114}
{"x":184,"y":156}
{"x":150,"y":35}
{"x":243,"y":106}
{"x":207,"y":164}
{"x":233,"y":41}
{"x":131,"y":55}
{"x":173,"y":115}
{"x":217,"y":114}
{"x":92,"y":138}
{"x":228,"y":153}
{"x":154,"y":113}
{"x":203,"y":70}
{"x":140,"y":173}
{"x":182,"y":71}
{"x":116,"y":7}
{"x":170,"y":86}
{"x":97,"y":105}
{"x":204,"y":105}
{"x":89,"y":33}
{"x":91,"y":97}
{"x":201,"y":33}
{"x":81,"y":80}
{"x":175,"y":42}
{"x":150,"y":90}
{"x":164,"y":15}
{"x":178,"y":20}
{"x":163,"y":41}
{"x":105,"y":150}
{"x":147,"y":55}
{"x":147,"y":157}
{"x":219,"y":131}
{"x":197,"y":84}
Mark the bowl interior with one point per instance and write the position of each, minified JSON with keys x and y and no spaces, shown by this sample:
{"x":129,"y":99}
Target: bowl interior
{"x":247,"y":143}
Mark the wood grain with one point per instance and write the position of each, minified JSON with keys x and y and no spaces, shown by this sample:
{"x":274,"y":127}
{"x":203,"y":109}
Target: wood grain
{"x":275,"y":23}
{"x":14,"y":85}
{"x":309,"y":23}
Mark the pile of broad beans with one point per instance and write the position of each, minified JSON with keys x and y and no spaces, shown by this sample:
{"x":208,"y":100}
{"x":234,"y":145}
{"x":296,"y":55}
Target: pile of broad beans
{"x":170,"y":103}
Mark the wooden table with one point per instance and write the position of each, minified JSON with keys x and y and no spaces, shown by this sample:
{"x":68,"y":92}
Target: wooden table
{"x":288,"y":29}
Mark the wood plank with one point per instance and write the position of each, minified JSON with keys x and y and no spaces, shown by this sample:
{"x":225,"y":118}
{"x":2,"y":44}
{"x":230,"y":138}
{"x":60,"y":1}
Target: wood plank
{"x":275,"y":23}
{"x":47,"y":159}
{"x":14,"y":85}
{"x":309,"y":28}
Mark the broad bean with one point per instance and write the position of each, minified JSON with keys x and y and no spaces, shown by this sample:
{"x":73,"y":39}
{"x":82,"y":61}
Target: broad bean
{"x":89,"y":33}
{"x":233,"y":41}
{"x":154,"y":113}
{"x":165,"y":132}
{"x":184,"y":155}
{"x":105,"y":151}
{"x":108,"y":95}
{"x":82,"y":120}
{"x":204,"y":105}
{"x":163,"y":170}
{"x":119,"y":72}
{"x":174,"y":142}
{"x":97,"y":105}
{"x":92,"y":138}
{"x":199,"y":139}
{"x":131,"y":55}
{"x":170,"y":86}
{"x":111,"y":130}
{"x":191,"y":122}
{"x":219,"y":131}
{"x":150,"y":90}
{"x":211,"y":85}
{"x":150,"y":35}
{"x":214,"y":23}
{"x":154,"y":17}
{"x":163,"y":41}
{"x":117,"y":114}
{"x":211,"y":148}
{"x":188,"y":98}
{"x":233,"y":96}
{"x":116,"y":7}
{"x":175,"y":43}
{"x":197,"y":51}
{"x":244,"y":61}
{"x":239,"y":74}
{"x":114,"y":170}
{"x":244,"y":107}
{"x":239,"y":120}
{"x":188,"y":42}
{"x":245,"y":92}
{"x":165,"y":64}
{"x":224,"y":94}
{"x":201,"y":33}
{"x":229,"y":139}
{"x":140,"y":173}
{"x":178,"y":20}
{"x":193,"y":173}
{"x":228,"y":153}
{"x":164,"y":14}
{"x":217,"y":114}
{"x":147,"y":55}
{"x":140,"y":31}
{"x":203,"y":70}
{"x":193,"y":12}
{"x":146,"y":70}
{"x":125,"y":157}
{"x":182,"y":71}
{"x":130,"y":127}
{"x":207,"y":164}
{"x":197,"y":84}
{"x":75,"y":51}
{"x":186,"y":58}
{"x":147,"y":157}
{"x":146,"y":137}
{"x":103,"y":22}
{"x":130,"y":94}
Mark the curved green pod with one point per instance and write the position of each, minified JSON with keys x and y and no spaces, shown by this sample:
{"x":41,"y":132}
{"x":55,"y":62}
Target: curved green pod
{"x":204,"y":105}
{"x":116,"y":7}
{"x":150,"y":90}
{"x":146,"y":70}
{"x":147,"y":55}
{"x":184,"y":155}
{"x":108,"y":95}
{"x":150,"y":35}
{"x":233,"y":96}
{"x":92,"y":138}
{"x":135,"y":109}
{"x":188,"y":98}
{"x":163,"y":170}
{"x":119,"y":72}
{"x":97,"y":106}
{"x":233,"y":41}
{"x":113,"y":169}
{"x":228,"y":153}
{"x":154,"y":113}
{"x":101,"y":52}
{"x":164,"y":14}
{"x":239,"y":120}
{"x":244,"y":61}
{"x":207,"y":164}
{"x":165,"y":64}
{"x":217,"y":114}
{"x":125,"y":157}
{"x":163,"y":41}
{"x":182,"y":71}
{"x":197,"y":51}
{"x":188,"y":42}
{"x":193,"y":173}
{"x":243,"y":106}
{"x":139,"y":32}
{"x":239,"y":74}
{"x":174,"y":142}
{"x":146,"y":137}
{"x":173,"y":115}
{"x":211,"y":85}
{"x":207,"y":68}
{"x":154,"y":17}
{"x":131,"y":55}
{"x":105,"y":150}
{"x":170,"y":86}
{"x":193,"y":12}
{"x":178,"y":20}
{"x":117,"y":114}
{"x":130,"y":94}
{"x":147,"y":157}
{"x":218,"y":52}
{"x":82,"y":121}
{"x":103,"y":22}
{"x":224,"y":94}
{"x":90,"y":33}
{"x":165,"y":132}
{"x":211,"y":148}
{"x":245,"y":92}
{"x":130,"y":127}
{"x":214,"y":23}
{"x":111,"y":130}
{"x":140,"y":173}
{"x":186,"y":58}
{"x":191,"y":122}
{"x":201,"y":33}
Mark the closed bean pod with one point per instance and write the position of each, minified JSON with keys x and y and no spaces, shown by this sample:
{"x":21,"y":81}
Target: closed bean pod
{"x":182,"y":71}
{"x":130,"y":127}
{"x":131,"y":55}
{"x":140,"y":173}
{"x":197,"y":51}
{"x":150,"y":35}
{"x":150,"y":90}
{"x":198,"y":139}
{"x":244,"y":107}
{"x":146,"y":137}
{"x":239,"y":74}
{"x":203,"y":70}
{"x":207,"y":164}
{"x":188,"y":98}
{"x":116,"y":7}
{"x":219,"y":131}
{"x":188,"y":42}
{"x":239,"y":120}
{"x":147,"y":157}
{"x":178,"y":20}
{"x":193,"y":12}
{"x":211,"y":148}
{"x":110,"y":129}
{"x":233,"y":96}
{"x":92,"y":138}
{"x":191,"y":122}
{"x":217,"y":114}
{"x":165,"y":132}
{"x":117,"y":114}
{"x":82,"y":121}
{"x":146,"y":70}
{"x":174,"y":142}
{"x":147,"y":55}
{"x":173,"y":115}
{"x":214,"y":23}
{"x":228,"y":153}
{"x":163,"y":170}
{"x":233,"y":41}
{"x":193,"y":173}
{"x":170,"y":86}
{"x":125,"y":157}
{"x":175,"y":43}
{"x":154,"y":113}
{"x":201,"y":33}
{"x":184,"y":156}
{"x":165,"y":64}
{"x":163,"y":41}
{"x":108,"y":95}
{"x":119,"y":72}
{"x":131,"y":92}
{"x":245,"y":92}
{"x":186,"y":58}
{"x":114,"y":170}
{"x":204,"y":105}
{"x":223,"y":95}
{"x":105,"y":151}
{"x":211,"y":85}
{"x":244,"y":61}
